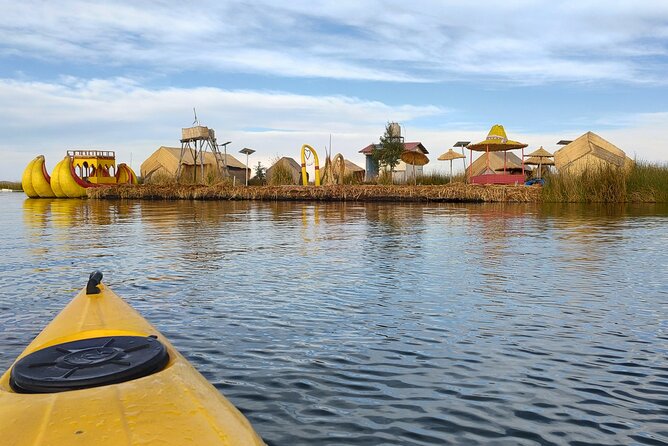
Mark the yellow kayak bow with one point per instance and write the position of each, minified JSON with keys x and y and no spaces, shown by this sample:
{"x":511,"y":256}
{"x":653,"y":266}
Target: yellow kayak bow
{"x":100,"y":374}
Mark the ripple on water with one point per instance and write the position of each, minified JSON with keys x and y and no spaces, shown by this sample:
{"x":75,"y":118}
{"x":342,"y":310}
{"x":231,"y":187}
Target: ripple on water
{"x":358,"y":324}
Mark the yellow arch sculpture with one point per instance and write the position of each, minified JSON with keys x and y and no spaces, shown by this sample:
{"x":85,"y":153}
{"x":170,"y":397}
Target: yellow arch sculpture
{"x":306,"y":147}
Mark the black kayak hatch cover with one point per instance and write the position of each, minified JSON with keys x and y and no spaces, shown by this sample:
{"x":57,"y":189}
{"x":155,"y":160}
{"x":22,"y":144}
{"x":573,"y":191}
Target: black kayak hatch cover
{"x":88,"y":363}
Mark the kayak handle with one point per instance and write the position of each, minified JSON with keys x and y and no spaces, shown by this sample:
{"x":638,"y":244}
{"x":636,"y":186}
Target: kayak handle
{"x":93,"y":282}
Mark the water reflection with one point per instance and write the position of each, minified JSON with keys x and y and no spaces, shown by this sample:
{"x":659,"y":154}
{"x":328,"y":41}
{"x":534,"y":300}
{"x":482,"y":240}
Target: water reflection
{"x":379,"y":323}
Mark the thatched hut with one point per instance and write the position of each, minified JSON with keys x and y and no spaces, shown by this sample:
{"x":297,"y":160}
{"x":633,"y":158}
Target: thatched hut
{"x":587,"y":152}
{"x":164,"y":162}
{"x":284,"y":171}
{"x":354,"y":170}
{"x":350,"y":169}
{"x":480,"y":166}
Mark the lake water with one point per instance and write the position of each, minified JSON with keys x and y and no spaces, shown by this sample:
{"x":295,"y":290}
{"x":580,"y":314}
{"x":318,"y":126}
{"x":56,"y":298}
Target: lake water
{"x":370,"y":324}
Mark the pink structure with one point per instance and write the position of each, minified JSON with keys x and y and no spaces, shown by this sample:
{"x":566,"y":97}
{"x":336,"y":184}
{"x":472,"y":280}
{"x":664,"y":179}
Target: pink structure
{"x":496,"y":141}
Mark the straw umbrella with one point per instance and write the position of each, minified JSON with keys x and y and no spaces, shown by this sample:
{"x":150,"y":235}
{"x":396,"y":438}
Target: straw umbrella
{"x":496,"y":141}
{"x":540,"y":162}
{"x":540,"y":158}
{"x":416,"y":158}
{"x":449,"y":156}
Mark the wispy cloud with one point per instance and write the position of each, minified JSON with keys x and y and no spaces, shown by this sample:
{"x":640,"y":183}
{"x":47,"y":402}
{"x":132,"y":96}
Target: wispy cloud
{"x":520,"y":41}
{"x":118,"y":114}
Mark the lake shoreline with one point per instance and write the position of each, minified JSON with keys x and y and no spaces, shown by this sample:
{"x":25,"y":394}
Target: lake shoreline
{"x":455,"y":192}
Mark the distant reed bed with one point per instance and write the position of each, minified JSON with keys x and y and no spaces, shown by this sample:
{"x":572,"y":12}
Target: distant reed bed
{"x":436,"y":178}
{"x":455,"y":192}
{"x":642,"y":182}
{"x":13,"y":185}
{"x":429,"y":179}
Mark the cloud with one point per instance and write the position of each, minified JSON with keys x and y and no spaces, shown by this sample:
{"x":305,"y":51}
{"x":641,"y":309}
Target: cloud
{"x":118,"y":114}
{"x":122,"y":115}
{"x":517,"y":41}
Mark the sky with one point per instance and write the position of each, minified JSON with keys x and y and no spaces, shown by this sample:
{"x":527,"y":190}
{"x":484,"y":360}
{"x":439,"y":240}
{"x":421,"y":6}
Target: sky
{"x":272,"y":75}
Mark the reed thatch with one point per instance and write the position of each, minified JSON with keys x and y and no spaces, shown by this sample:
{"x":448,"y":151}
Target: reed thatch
{"x":588,"y":152}
{"x":285,"y":166}
{"x":331,"y":176}
{"x":164,"y":162}
{"x":450,"y":155}
{"x":479,"y":166}
{"x":539,"y":160}
{"x":540,"y":153}
{"x":496,"y":141}
{"x":454,"y":192}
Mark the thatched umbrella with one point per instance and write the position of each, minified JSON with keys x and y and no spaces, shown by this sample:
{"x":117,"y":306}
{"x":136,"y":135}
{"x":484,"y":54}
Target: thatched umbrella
{"x":496,"y":141}
{"x":449,"y":156}
{"x":414,"y":157}
{"x":540,"y":158}
{"x":542,"y":153}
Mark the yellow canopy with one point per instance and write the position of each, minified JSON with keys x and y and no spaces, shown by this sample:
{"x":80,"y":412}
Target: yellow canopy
{"x":497,"y":141}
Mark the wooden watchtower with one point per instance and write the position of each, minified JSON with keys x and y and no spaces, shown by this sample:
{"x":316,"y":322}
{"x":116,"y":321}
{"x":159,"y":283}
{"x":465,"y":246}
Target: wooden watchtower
{"x":195,"y":142}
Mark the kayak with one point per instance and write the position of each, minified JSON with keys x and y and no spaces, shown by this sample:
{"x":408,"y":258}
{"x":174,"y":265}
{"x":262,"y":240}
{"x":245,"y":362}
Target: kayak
{"x":100,"y":374}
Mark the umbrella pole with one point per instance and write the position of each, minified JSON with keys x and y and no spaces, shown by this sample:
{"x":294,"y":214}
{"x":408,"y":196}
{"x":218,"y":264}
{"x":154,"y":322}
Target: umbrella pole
{"x":540,"y":166}
{"x":522,"y":162}
{"x":451,"y":171}
{"x":471,"y":167}
{"x":505,"y":157}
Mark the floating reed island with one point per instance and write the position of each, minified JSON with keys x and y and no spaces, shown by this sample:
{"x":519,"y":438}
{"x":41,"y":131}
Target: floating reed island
{"x":454,"y":192}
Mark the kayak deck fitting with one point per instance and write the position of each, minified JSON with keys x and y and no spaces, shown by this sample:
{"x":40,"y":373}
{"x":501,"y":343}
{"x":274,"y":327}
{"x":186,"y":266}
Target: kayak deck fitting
{"x":100,"y":374}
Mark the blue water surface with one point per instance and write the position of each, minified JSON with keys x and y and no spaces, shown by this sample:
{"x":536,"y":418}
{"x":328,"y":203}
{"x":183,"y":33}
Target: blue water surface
{"x":377,"y":324}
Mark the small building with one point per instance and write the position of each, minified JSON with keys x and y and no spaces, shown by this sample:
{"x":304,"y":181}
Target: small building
{"x":402,"y":172}
{"x":164,"y":162}
{"x":587,"y":152}
{"x":284,"y":171}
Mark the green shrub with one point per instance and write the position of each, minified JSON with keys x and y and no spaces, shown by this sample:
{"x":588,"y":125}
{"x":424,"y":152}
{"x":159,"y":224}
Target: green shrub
{"x":281,"y":175}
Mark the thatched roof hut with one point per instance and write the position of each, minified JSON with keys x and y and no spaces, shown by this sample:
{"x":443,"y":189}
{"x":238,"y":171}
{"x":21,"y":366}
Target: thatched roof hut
{"x":165,"y":162}
{"x":590,"y":151}
{"x":354,"y":170}
{"x":350,"y":169}
{"x":285,"y":166}
{"x":496,"y":160}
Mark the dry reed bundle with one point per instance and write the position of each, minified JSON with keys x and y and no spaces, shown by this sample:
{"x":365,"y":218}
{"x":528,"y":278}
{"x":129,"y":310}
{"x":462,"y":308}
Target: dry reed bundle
{"x":454,"y":192}
{"x":642,"y":182}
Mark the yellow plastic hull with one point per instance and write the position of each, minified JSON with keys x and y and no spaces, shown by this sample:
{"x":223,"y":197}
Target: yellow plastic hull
{"x":68,"y":183}
{"x":35,"y":180}
{"x":126,"y":175}
{"x":55,"y":180}
{"x":26,"y":180}
{"x":176,"y":406}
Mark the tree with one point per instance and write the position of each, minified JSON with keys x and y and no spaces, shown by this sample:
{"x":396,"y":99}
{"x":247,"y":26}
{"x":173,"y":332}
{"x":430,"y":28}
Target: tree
{"x":260,"y":171}
{"x":390,"y":150}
